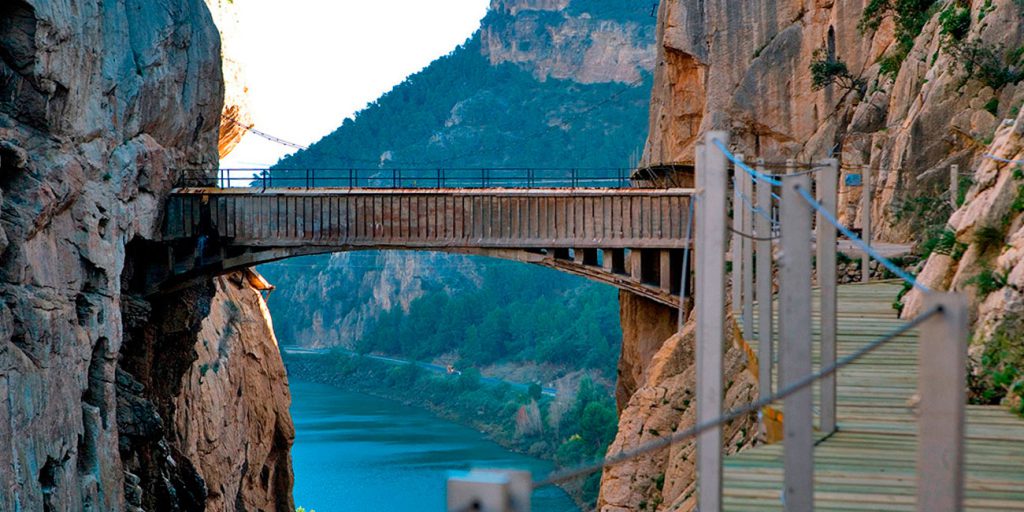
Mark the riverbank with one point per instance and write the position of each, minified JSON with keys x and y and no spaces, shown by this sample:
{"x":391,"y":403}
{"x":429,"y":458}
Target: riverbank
{"x":566,"y":430}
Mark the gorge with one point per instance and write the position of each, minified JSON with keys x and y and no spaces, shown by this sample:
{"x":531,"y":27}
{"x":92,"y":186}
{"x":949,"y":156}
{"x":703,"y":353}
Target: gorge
{"x":116,"y":398}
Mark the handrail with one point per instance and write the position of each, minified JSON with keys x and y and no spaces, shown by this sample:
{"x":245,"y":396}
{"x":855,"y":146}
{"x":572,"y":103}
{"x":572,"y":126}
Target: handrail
{"x":803,"y":383}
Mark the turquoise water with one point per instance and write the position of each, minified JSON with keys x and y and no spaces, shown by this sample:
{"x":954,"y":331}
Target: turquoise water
{"x":356,"y":453}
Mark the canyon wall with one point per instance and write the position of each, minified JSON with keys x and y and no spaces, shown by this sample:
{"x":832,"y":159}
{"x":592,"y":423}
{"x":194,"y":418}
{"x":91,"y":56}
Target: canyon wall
{"x":745,"y":67}
{"x":99,"y":103}
{"x":908,"y":92}
{"x":655,"y":394}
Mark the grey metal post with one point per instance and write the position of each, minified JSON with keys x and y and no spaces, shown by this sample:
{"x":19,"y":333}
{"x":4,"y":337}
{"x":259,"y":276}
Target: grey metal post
{"x":765,"y":336}
{"x":828,"y":190}
{"x":942,"y":357}
{"x":795,"y":343}
{"x":685,"y":292}
{"x":737,"y":243}
{"x":865,"y":262}
{"x":748,"y":256}
{"x":698,"y":227}
{"x":954,"y":185}
{"x":490,"y":491}
{"x":711,"y":319}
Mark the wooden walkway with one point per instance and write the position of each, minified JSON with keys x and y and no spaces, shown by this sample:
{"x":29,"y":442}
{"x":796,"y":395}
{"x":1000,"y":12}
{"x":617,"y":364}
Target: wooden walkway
{"x":869,"y":464}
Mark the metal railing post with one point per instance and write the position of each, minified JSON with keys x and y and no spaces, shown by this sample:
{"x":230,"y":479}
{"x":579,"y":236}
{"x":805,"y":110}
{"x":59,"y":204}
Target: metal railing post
{"x":865,"y":234}
{"x":765,"y":336}
{"x":711,"y":318}
{"x":942,"y":377}
{"x":737,"y":241}
{"x":748,"y":256}
{"x":490,"y":491}
{"x":828,"y":196}
{"x":795,"y":343}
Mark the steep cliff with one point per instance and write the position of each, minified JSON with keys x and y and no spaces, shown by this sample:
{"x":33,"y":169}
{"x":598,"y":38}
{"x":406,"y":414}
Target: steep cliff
{"x":657,"y":379}
{"x":893,"y":87}
{"x":99,"y":102}
{"x":908,"y":88}
{"x":983,"y":256}
{"x":232,"y":417}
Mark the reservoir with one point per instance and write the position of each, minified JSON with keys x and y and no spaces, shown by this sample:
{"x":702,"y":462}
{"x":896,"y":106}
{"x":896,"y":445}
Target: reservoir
{"x":359,"y":453}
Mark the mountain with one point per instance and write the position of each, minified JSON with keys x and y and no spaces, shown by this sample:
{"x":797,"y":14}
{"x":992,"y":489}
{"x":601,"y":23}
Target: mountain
{"x":554,"y":83}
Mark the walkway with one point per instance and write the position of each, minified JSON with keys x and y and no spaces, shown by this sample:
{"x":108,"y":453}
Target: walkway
{"x":869,"y":464}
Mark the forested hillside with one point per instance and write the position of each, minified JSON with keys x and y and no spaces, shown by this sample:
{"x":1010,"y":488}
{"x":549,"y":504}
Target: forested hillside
{"x":538,"y":85}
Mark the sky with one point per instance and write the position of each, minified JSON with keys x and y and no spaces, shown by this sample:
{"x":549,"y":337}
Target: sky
{"x":310,"y":64}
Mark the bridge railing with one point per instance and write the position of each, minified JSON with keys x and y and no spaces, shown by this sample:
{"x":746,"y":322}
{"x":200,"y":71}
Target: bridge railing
{"x":456,"y":177}
{"x":802,"y":208}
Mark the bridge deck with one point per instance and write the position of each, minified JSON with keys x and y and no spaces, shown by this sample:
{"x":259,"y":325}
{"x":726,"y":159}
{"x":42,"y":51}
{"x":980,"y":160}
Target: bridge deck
{"x":435,"y":218}
{"x":869,"y":463}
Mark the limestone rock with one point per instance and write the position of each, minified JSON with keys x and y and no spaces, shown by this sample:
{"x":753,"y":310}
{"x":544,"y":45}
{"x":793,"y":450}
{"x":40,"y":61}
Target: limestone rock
{"x":99,"y":102}
{"x":660,"y":398}
{"x":236,"y":114}
{"x":232,"y":413}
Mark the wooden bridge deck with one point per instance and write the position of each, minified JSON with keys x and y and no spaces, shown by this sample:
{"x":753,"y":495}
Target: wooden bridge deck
{"x":869,"y":464}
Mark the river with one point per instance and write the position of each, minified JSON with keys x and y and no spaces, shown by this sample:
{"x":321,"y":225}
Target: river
{"x":359,"y":453}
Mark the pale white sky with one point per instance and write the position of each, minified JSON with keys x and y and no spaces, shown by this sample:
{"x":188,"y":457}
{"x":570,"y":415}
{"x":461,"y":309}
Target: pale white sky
{"x":312,"y":63}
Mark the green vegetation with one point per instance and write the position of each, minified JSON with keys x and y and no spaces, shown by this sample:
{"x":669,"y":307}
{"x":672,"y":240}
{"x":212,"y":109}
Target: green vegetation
{"x":989,"y":237}
{"x":992,"y":106}
{"x":955,"y":20}
{"x":567,"y":429}
{"x":988,"y":281}
{"x":447,"y":115}
{"x":827,"y":70}
{"x":1002,"y":376}
{"x":518,"y":314}
{"x":909,"y":16}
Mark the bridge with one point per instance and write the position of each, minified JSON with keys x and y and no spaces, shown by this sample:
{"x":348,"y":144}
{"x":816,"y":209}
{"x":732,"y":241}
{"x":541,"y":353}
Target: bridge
{"x":589,"y":223}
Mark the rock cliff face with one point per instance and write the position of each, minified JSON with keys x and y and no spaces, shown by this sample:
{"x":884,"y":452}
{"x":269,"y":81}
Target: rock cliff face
{"x":231,"y":416}
{"x":747,"y":68}
{"x":561,"y":39}
{"x":99,"y":101}
{"x":657,"y":378}
{"x":985,"y":259}
{"x":924,"y":88}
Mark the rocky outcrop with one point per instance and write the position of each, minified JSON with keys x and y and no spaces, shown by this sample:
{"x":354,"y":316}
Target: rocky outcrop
{"x":746,"y":68}
{"x":236,"y":115}
{"x":984,"y":258}
{"x":561,"y":39}
{"x":231,"y":416}
{"x":660,"y":388}
{"x":99,"y":103}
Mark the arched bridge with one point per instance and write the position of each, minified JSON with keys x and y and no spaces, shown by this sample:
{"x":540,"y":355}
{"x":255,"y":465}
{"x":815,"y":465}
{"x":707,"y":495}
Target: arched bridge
{"x":631,"y":238}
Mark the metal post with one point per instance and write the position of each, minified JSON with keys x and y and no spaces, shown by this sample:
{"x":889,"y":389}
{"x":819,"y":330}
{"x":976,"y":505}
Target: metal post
{"x":795,"y":343}
{"x":942,"y":356}
{"x":865,"y":261}
{"x":737,"y":242}
{"x":828,"y":196}
{"x":684,"y":287}
{"x":490,"y":491}
{"x":748,"y":256}
{"x":954,"y":186}
{"x":765,"y":336}
{"x":711,"y":319}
